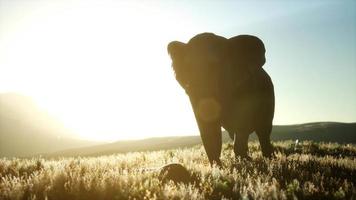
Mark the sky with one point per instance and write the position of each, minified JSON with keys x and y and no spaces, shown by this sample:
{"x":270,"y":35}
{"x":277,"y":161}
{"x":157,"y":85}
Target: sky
{"x":102,"y":68}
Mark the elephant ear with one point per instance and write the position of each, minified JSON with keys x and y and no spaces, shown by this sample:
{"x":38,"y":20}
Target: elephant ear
{"x":248,"y":50}
{"x":177,"y":52}
{"x":176,"y":49}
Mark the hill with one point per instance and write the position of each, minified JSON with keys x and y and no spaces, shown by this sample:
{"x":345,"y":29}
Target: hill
{"x":25,"y":129}
{"x":318,"y":132}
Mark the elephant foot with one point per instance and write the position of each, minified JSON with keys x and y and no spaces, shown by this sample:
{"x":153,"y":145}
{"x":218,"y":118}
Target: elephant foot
{"x":231,"y":135}
{"x":216,"y":163}
{"x":264,"y":134}
{"x":241,"y":153}
{"x":268,"y":151}
{"x":244,"y":157}
{"x":240,"y":145}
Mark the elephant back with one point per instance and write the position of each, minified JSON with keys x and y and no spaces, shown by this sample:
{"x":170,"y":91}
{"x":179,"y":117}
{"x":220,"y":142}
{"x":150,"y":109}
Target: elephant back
{"x":247,"y":51}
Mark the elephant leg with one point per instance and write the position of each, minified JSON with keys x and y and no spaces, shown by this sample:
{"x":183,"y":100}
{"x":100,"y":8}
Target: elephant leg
{"x":241,"y":144}
{"x":264,"y":136}
{"x":231,"y":135}
{"x":211,"y":136}
{"x":210,"y":132}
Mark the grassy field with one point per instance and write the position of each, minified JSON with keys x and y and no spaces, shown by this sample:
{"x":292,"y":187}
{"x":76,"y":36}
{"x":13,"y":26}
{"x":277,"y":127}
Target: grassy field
{"x":304,"y":171}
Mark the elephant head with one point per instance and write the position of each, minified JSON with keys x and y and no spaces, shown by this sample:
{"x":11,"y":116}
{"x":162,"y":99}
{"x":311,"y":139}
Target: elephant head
{"x":197,"y":64}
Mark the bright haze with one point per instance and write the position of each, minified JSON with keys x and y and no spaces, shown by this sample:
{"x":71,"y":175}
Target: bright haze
{"x":102,"y":68}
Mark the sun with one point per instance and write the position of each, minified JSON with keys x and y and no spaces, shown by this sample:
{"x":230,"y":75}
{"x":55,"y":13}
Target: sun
{"x":102,"y":69}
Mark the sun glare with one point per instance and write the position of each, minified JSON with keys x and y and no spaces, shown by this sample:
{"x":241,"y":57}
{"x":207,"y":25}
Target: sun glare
{"x":102,"y":69}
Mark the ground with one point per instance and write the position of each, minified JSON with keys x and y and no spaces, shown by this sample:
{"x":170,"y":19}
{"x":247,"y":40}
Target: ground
{"x":304,"y":170}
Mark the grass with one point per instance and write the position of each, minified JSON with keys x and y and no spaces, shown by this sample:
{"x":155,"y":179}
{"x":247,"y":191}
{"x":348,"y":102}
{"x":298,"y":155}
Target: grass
{"x":304,"y":171}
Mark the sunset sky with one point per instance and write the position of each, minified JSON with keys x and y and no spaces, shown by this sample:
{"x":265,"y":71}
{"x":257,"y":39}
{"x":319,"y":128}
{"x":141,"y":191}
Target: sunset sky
{"x":102,"y":68}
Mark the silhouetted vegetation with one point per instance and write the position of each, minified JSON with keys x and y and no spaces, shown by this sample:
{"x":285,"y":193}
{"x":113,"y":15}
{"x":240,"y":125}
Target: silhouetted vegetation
{"x":306,"y":170}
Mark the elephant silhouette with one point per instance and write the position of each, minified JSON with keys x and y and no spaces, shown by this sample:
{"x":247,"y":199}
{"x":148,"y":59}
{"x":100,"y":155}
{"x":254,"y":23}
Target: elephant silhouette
{"x":228,"y":88}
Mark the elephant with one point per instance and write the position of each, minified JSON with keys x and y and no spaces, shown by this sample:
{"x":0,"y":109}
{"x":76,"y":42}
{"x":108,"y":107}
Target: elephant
{"x":227,"y":88}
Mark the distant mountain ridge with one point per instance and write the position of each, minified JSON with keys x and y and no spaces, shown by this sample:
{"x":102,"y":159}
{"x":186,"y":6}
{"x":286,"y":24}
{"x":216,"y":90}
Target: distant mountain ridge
{"x":318,"y":131}
{"x":26,"y":130}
